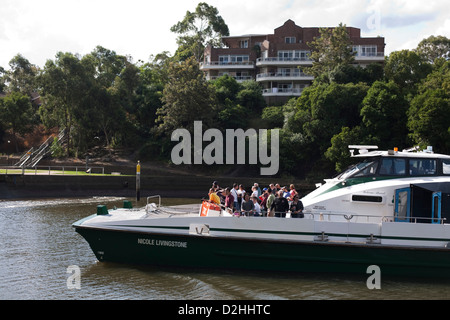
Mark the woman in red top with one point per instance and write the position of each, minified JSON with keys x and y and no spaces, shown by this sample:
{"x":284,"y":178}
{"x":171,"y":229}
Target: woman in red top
{"x":293,"y":192}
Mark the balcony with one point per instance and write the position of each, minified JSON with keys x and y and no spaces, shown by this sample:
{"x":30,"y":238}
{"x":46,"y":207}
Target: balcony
{"x":279,"y":92}
{"x":219,"y":65}
{"x":369,"y":56}
{"x":302,"y":61}
{"x":237,"y":78}
{"x":298,"y":76}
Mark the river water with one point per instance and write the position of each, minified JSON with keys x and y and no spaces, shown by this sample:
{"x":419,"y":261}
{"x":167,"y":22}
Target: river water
{"x":38,"y":246}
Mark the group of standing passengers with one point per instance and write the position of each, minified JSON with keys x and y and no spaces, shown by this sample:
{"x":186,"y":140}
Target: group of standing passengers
{"x":272,"y":201}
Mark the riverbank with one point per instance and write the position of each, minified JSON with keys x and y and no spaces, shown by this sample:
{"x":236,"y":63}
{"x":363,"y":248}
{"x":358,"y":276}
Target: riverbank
{"x":51,"y":186}
{"x":120,"y":180}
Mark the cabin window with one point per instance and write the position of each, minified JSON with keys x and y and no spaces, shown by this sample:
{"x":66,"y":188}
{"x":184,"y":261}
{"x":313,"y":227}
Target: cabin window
{"x":366,"y":168}
{"x":366,"y":198}
{"x":393,"y":167}
{"x":446,"y":166}
{"x":422,"y":167}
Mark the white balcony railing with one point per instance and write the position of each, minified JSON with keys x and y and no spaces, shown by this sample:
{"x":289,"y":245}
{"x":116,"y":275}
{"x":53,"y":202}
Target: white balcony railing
{"x":227,"y":65}
{"x":283,"y":76}
{"x":237,"y":78}
{"x":282,"y":92}
{"x":283,"y":61}
{"x":372,"y":56}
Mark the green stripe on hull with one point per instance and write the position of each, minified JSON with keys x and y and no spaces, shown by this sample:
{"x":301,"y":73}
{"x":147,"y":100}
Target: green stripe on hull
{"x":355,"y":181}
{"x":267,"y":255}
{"x":296,"y":233}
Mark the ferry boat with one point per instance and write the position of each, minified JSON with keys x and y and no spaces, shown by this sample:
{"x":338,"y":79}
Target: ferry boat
{"x":391,"y":210}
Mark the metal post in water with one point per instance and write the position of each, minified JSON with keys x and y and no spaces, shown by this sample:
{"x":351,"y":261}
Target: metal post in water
{"x":138,"y":181}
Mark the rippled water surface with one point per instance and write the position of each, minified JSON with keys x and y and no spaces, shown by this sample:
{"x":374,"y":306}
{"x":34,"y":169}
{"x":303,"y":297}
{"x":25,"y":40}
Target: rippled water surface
{"x":38,"y":244}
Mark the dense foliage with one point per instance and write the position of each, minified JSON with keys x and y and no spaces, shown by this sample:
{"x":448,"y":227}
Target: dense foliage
{"x":105,"y":99}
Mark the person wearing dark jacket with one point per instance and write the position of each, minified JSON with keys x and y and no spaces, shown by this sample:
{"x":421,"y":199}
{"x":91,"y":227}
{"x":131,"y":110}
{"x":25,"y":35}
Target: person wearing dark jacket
{"x":281,"y":206}
{"x":296,"y":208}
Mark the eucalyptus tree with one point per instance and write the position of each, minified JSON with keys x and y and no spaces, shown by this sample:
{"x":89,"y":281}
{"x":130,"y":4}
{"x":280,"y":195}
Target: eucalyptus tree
{"x":407,"y":69}
{"x":384,"y":115}
{"x":21,"y":76}
{"x":64,"y":84}
{"x":429,"y":113}
{"x":186,"y":97}
{"x":2,"y":79}
{"x":198,"y":29}
{"x":330,"y":51}
{"x":16,"y":114}
{"x":434,"y":47}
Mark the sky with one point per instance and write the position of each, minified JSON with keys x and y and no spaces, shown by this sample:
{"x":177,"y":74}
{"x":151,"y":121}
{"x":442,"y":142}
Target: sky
{"x":38,"y":29}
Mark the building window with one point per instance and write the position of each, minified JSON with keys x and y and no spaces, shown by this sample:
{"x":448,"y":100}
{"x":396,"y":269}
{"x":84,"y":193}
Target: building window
{"x":365,"y":51}
{"x":289,"y":55}
{"x":369,"y":51}
{"x":285,"y":55}
{"x":289,"y":40}
{"x":233,"y":59}
{"x":243,"y":44}
{"x":223,"y":59}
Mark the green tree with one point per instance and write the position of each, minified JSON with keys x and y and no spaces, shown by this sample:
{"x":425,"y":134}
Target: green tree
{"x":322,"y":111}
{"x":384,"y":115}
{"x":350,"y":73}
{"x":107,"y":65}
{"x":187,"y":97}
{"x":274,"y":116}
{"x":434,"y":47}
{"x":64,"y":84}
{"x":250,"y":96}
{"x":114,"y":94}
{"x":198,"y":29}
{"x":407,"y":69}
{"x":429,"y":114}
{"x":232,"y":116}
{"x":2,"y":79}
{"x":338,"y":152}
{"x":226,"y":87}
{"x":330,"y":51}
{"x":327,"y":108}
{"x":21,"y":76}
{"x":16,"y":113}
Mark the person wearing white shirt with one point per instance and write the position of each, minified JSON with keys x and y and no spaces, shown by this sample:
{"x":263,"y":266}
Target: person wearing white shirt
{"x":237,"y":204}
{"x":257,"y":208}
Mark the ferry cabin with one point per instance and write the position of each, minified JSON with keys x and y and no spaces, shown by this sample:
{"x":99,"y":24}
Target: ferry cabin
{"x":398,"y":186}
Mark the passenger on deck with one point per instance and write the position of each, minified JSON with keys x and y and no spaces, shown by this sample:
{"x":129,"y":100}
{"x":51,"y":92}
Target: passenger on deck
{"x":257,"y":208}
{"x":296,"y":208}
{"x":220,"y":192}
{"x":280,"y":205}
{"x":269,"y":202}
{"x":213,"y":197}
{"x":247,"y":206}
{"x":277,"y":187}
{"x":241,"y":193}
{"x":255,"y":191}
{"x":257,"y":188}
{"x":293,"y":191}
{"x":263,"y":205}
{"x":237,"y":204}
{"x":229,"y":201}
{"x":286,"y":193}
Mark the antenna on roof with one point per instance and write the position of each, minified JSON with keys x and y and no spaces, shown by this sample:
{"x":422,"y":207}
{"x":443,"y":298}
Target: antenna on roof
{"x":361,"y":149}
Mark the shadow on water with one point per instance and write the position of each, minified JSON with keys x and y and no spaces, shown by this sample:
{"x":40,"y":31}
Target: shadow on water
{"x":205,"y":284}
